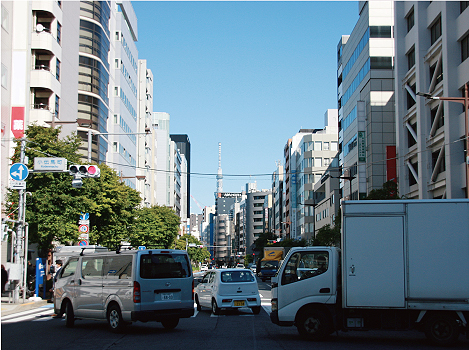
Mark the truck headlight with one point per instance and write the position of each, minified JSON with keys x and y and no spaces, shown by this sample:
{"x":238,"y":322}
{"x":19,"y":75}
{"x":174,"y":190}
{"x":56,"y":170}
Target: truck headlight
{"x":274,"y":304}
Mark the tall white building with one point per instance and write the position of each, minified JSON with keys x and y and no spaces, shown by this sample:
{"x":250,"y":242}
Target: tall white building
{"x":366,"y":99}
{"x":160,"y":146}
{"x":432,"y":51}
{"x":144,"y":120}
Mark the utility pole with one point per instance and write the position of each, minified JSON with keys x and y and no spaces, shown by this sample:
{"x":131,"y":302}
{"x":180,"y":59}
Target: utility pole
{"x":20,"y":255}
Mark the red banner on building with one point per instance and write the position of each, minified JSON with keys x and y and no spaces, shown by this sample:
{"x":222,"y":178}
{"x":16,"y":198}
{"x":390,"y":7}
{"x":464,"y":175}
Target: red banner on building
{"x":17,"y":121}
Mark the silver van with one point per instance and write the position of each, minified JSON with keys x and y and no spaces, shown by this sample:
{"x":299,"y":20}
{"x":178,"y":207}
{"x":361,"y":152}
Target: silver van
{"x":123,"y":287}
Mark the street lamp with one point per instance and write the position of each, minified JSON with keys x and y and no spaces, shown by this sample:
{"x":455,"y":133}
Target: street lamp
{"x":92,"y":132}
{"x":465,"y":101}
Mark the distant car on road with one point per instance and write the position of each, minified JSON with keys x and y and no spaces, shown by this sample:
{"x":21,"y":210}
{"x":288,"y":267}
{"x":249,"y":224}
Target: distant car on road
{"x":239,"y":266}
{"x":204,"y":267}
{"x":228,"y":289}
{"x":252,"y":267}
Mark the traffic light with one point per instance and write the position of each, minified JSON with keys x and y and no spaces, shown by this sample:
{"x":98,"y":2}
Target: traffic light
{"x":85,"y":170}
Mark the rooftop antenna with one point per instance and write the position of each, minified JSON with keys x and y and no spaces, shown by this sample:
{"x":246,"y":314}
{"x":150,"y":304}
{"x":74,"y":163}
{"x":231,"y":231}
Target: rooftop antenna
{"x":220,"y":173}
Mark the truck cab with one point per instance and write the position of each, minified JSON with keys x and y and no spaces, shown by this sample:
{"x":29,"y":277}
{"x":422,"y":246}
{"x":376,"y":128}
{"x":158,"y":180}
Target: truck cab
{"x":307,"y":279}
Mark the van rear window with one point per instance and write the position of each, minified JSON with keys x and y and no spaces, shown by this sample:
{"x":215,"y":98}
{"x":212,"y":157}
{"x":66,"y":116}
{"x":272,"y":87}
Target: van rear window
{"x":164,"y":266}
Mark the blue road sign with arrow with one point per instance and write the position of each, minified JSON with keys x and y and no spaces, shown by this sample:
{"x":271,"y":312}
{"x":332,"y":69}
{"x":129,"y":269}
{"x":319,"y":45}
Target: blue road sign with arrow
{"x":19,"y":172}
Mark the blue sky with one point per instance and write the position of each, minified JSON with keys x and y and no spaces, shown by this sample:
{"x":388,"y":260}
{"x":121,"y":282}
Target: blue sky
{"x":246,"y":74}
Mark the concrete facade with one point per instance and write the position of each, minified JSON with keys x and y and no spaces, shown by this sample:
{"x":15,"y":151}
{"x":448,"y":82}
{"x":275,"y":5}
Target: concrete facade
{"x":430,"y":39}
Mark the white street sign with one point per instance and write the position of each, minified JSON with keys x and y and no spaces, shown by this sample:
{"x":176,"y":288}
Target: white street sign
{"x":17,"y":185}
{"x":50,"y":164}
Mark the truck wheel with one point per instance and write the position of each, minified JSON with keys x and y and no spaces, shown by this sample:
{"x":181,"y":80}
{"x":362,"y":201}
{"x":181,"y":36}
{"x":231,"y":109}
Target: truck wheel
{"x":313,"y":325}
{"x":69,"y":315}
{"x":114,"y":319}
{"x":442,"y":329}
{"x":170,"y":323}
{"x":215,"y":309}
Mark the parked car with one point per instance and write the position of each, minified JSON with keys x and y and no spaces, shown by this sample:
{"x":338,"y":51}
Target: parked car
{"x":134,"y":285}
{"x":228,"y":289}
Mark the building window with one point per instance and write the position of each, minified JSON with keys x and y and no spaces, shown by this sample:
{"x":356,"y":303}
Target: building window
{"x":380,"y":32}
{"x":441,"y":120}
{"x":412,"y":179}
{"x":442,"y":166}
{"x":435,"y":31}
{"x":433,"y":71}
{"x":465,"y":48}
{"x":334,"y":146}
{"x":410,"y":99}
{"x":410,"y":139}
{"x":411,"y":58}
{"x":463,"y":5}
{"x":57,"y":103}
{"x":57,"y":69}
{"x":381,"y":62}
{"x":117,"y":36}
{"x":410,"y":20}
{"x":59,"y":32}
{"x":317,"y":145}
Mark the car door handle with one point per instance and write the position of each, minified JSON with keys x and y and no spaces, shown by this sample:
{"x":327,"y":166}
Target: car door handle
{"x":325,"y":290}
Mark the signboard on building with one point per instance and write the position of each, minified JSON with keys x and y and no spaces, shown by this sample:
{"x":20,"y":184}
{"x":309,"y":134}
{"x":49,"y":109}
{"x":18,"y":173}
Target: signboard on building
{"x":361,"y":146}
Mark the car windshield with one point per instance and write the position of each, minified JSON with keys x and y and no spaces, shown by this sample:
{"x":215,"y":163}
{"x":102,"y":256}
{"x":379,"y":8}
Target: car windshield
{"x":164,"y":266}
{"x":237,"y":276}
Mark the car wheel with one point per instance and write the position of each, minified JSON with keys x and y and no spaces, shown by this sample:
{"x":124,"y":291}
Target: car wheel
{"x":114,"y":319}
{"x":256,"y":310}
{"x":170,"y":323}
{"x":199,"y":307}
{"x":69,"y":315}
{"x":313,"y":324}
{"x":442,"y":329}
{"x":215,"y":309}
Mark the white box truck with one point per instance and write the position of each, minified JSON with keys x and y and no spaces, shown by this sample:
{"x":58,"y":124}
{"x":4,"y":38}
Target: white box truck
{"x":404,"y":264}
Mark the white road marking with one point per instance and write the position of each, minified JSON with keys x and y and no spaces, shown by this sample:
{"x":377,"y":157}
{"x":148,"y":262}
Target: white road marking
{"x":28,"y":315}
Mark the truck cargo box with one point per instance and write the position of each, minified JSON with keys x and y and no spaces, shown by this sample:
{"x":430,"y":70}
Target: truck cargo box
{"x":406,"y":254}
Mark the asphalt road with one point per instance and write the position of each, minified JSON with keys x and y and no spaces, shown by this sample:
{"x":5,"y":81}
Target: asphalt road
{"x":36,"y":329}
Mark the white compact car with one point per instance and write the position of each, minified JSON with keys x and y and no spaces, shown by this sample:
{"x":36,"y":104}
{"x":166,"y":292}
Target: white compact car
{"x":228,"y":289}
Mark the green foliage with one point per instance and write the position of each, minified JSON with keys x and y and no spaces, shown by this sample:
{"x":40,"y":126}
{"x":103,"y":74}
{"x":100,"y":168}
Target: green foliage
{"x":329,"y":236}
{"x":388,"y":191}
{"x":155,"y":227}
{"x":54,"y":207}
{"x":196,"y":254}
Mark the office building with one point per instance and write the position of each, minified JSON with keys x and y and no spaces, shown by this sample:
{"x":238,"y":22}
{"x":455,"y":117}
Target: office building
{"x":366,"y":99}
{"x":432,"y":51}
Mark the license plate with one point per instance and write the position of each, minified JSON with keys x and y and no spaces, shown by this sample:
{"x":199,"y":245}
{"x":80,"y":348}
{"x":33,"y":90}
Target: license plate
{"x":239,"y":303}
{"x":167,"y":296}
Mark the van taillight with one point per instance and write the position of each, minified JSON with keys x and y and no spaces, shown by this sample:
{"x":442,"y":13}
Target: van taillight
{"x":137,"y":295}
{"x":193,"y":290}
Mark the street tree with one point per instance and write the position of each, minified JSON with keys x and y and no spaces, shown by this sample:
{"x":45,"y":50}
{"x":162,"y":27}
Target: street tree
{"x":196,"y":254}
{"x":53,"y":208}
{"x":155,"y":227}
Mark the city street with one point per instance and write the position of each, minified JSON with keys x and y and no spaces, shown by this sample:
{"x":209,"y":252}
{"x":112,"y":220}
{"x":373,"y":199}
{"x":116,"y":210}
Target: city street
{"x":36,"y":329}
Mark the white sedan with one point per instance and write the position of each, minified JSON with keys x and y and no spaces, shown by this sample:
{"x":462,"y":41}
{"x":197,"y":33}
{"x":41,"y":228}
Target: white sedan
{"x":228,"y":289}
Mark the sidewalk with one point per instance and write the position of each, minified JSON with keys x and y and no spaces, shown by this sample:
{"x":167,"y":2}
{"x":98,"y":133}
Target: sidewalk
{"x":12,"y":308}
